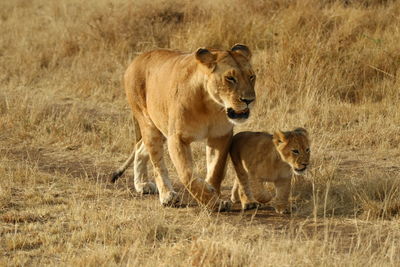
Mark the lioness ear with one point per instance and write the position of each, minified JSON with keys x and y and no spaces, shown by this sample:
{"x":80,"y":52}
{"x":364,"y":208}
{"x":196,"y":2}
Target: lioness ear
{"x":205,"y":57}
{"x":242,"y":50}
{"x":279,"y":137}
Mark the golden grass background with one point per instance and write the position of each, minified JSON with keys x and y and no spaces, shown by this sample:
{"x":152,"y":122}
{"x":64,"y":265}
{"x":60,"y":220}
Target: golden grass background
{"x":329,"y":66}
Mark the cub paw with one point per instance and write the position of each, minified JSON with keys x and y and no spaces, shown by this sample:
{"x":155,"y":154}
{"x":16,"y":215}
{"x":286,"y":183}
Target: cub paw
{"x":146,"y":188}
{"x":169,"y":198}
{"x":251,"y":205}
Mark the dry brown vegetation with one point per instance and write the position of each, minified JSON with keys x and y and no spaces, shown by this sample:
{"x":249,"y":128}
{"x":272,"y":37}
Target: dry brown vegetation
{"x":329,"y":66}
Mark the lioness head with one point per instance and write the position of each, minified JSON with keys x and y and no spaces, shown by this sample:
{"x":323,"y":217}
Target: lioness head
{"x":231,"y":79}
{"x":294,"y":148}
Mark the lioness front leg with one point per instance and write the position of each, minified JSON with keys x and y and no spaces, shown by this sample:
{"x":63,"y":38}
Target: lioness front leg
{"x":181,"y":157}
{"x":282,"y":188}
{"x":217,"y":153}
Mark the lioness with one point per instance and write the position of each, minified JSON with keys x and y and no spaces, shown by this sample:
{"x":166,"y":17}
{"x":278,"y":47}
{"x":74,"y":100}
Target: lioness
{"x":260,"y":157}
{"x":184,"y":97}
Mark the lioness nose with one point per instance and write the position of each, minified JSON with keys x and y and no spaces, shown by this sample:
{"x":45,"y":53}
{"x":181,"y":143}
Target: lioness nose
{"x":247,"y":100}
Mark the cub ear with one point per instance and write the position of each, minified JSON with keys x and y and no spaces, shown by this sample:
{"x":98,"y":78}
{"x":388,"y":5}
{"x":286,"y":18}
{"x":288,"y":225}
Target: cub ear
{"x":242,"y":50}
{"x":207,"y":58}
{"x":301,"y":131}
{"x":279,"y":137}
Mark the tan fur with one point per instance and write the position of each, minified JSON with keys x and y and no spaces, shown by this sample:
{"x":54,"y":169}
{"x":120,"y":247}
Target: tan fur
{"x":260,"y":157}
{"x":179,"y":98}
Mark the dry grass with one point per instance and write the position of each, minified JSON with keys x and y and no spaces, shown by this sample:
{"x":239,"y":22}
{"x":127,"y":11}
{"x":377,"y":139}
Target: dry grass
{"x":329,"y":66}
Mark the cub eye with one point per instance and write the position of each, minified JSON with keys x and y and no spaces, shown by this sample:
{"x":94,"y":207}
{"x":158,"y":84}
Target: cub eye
{"x":230,"y":79}
{"x":295,"y":151}
{"x":307,"y":150}
{"x":252,"y":77}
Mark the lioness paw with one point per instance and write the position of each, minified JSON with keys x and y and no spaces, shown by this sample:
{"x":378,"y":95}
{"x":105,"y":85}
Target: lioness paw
{"x":146,"y":188}
{"x":169,"y":198}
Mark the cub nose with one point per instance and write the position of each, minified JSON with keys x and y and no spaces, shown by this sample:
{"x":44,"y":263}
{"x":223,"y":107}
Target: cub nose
{"x":247,"y":100}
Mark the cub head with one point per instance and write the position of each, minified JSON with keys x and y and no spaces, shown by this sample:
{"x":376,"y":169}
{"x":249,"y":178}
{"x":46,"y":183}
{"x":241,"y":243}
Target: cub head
{"x":294,"y":148}
{"x":230,"y":79}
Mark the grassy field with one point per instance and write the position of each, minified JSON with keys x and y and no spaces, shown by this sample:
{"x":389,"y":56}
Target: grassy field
{"x":331,"y":67}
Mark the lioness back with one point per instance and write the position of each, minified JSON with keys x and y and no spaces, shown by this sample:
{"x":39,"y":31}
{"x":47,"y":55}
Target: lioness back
{"x":261,"y":157}
{"x":150,"y":92}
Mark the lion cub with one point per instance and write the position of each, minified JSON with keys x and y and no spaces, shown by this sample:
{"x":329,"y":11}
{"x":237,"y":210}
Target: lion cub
{"x":261,"y":157}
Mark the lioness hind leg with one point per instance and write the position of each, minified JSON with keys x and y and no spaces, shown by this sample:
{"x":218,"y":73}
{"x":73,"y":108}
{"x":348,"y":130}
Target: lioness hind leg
{"x":153,"y":141}
{"x":142,"y":185}
{"x":235,"y":193}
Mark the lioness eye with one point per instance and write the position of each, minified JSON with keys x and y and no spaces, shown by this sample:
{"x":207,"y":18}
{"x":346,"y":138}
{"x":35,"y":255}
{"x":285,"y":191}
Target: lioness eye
{"x":295,"y":151}
{"x":230,"y":79}
{"x":252,"y":77}
{"x":307,"y":150}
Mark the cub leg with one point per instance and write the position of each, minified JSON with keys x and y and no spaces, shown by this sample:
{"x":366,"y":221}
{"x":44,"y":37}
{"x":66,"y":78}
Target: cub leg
{"x":282,"y":188}
{"x":181,"y":157}
{"x":261,"y":194}
{"x":241,"y":188}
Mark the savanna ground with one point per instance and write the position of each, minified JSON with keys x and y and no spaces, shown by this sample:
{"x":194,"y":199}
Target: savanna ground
{"x":329,"y":66}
